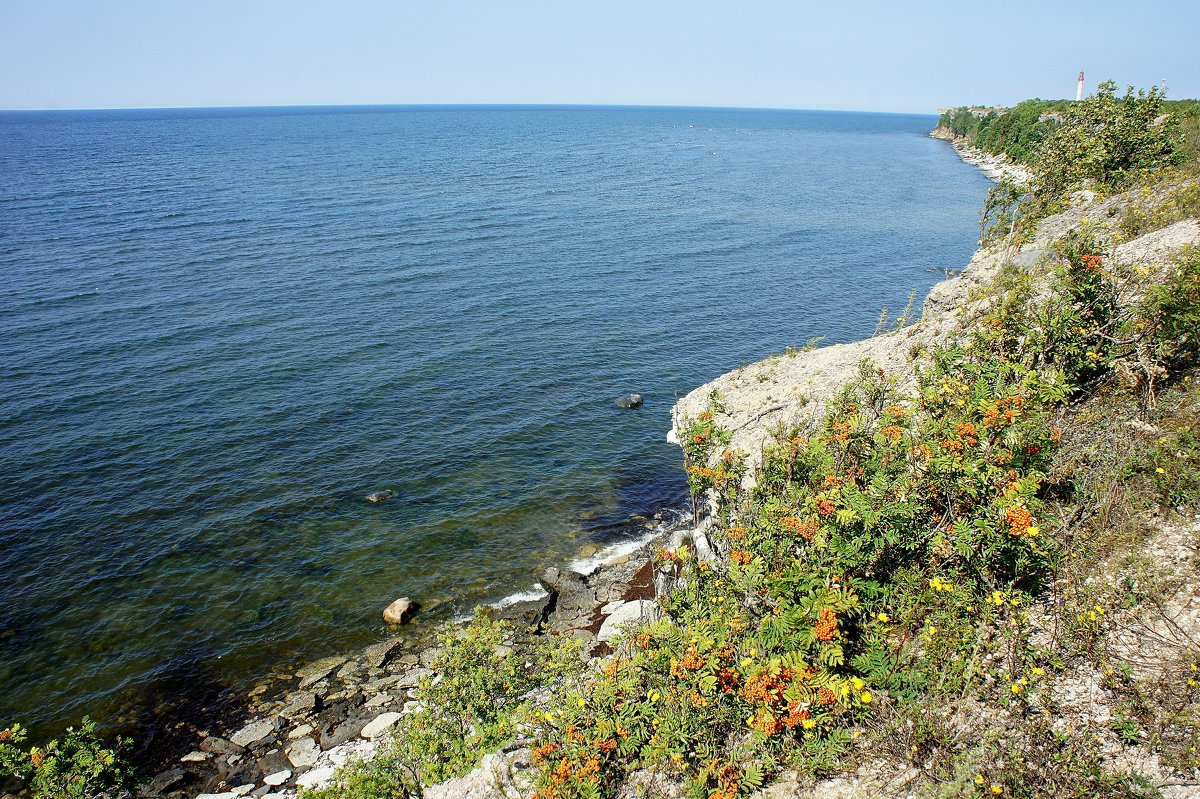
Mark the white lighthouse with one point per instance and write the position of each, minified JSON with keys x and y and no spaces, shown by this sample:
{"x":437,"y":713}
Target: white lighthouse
{"x":1079,"y":88}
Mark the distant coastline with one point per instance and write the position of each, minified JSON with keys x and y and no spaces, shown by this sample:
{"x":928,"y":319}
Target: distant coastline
{"x":996,"y":167}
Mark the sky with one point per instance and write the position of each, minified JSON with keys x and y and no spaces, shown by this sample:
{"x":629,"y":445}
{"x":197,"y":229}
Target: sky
{"x":897,"y":55}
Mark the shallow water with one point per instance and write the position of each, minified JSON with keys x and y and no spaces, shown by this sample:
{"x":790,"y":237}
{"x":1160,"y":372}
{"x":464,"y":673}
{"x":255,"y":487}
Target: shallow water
{"x":221,"y":328}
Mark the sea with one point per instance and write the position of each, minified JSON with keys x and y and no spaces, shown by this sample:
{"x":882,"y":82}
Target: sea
{"x":221,"y":328}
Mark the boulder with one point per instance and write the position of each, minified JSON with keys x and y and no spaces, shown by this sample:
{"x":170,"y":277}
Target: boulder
{"x":379,"y":725}
{"x":413,"y":677}
{"x":313,"y":673}
{"x":382,"y":684}
{"x":629,"y":401}
{"x":378,"y":655}
{"x":169,"y":781}
{"x":301,"y":704}
{"x":303,"y":752}
{"x":380,"y":700}
{"x":274,"y":762}
{"x":632,"y":612}
{"x":219,"y":746}
{"x":252,"y":733}
{"x":563,"y":581}
{"x":375,"y":497}
{"x":338,"y":735}
{"x":500,"y":775}
{"x":278,"y":778}
{"x":400,"y":611}
{"x":316,"y":778}
{"x":299,"y":732}
{"x":571,"y":598}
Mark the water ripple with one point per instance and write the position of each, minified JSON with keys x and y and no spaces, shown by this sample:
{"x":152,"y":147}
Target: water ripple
{"x":221,"y":328}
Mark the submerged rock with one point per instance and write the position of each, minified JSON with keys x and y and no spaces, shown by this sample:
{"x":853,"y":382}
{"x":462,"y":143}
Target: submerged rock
{"x":629,"y":401}
{"x":375,"y":497}
{"x":377,"y":655}
{"x":219,"y":746}
{"x":252,"y":733}
{"x":400,"y":611}
{"x":315,"y":672}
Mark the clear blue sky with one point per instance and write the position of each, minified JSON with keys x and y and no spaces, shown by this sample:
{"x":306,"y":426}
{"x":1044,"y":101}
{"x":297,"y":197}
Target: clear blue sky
{"x":876,"y":56}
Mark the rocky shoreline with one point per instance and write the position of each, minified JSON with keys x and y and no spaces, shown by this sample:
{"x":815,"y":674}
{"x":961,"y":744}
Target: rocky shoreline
{"x":996,"y":167}
{"x":301,"y":726}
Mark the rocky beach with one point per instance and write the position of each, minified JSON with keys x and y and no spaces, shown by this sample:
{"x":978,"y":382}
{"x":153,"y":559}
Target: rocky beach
{"x":300,"y":726}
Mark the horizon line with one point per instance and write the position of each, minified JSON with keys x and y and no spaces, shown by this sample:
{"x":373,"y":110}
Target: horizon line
{"x":648,"y":106}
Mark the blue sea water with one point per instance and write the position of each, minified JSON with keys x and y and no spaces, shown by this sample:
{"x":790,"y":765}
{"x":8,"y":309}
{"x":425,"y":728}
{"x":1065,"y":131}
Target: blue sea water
{"x":219,"y":329}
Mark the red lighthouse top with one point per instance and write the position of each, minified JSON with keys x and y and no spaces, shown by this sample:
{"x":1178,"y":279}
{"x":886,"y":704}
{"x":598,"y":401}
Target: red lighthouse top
{"x":1081,"y":76}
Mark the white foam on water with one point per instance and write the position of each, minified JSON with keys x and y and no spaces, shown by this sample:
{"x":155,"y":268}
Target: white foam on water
{"x":586,"y":566}
{"x":534,"y":593}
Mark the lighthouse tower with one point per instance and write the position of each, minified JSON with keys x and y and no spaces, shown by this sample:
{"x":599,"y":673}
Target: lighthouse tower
{"x":1079,"y":88}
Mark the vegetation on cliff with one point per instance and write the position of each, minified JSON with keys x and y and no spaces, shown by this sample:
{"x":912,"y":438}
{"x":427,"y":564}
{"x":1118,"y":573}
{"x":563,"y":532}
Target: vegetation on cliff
{"x":1105,"y":143}
{"x":1020,"y":131}
{"x":888,"y":565}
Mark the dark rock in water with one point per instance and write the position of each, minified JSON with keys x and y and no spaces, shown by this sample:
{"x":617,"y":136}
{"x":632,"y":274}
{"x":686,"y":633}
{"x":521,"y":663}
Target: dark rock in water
{"x":377,"y":655}
{"x":350,"y":728}
{"x":169,"y":781}
{"x":274,"y":762}
{"x":376,"y":497}
{"x":572,"y":599}
{"x":629,"y":401}
{"x":561,"y":581}
{"x":219,"y":746}
{"x":301,"y":704}
{"x":400,"y":611}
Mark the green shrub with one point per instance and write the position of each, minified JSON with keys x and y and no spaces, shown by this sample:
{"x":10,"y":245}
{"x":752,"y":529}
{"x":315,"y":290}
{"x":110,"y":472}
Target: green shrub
{"x":473,"y":706}
{"x":78,"y":766}
{"x":1171,"y":312}
{"x":1107,"y":141}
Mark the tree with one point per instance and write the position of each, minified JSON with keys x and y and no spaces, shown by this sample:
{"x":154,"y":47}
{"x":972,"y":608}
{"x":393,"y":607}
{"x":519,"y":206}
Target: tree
{"x":1107,"y":140}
